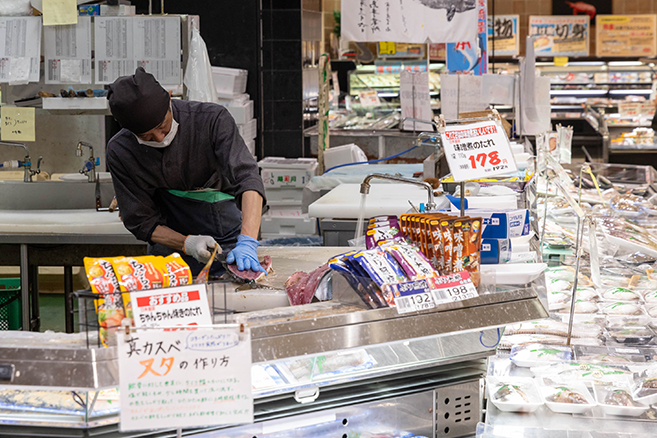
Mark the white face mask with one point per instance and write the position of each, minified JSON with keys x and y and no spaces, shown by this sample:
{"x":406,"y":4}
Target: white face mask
{"x":167,"y":139}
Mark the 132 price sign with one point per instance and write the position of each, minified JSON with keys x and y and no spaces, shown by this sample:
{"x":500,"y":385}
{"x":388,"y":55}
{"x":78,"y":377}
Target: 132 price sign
{"x":477,"y":150}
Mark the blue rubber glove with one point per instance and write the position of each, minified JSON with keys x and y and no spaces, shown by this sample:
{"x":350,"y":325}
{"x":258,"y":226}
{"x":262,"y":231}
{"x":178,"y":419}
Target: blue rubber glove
{"x":245,"y":254}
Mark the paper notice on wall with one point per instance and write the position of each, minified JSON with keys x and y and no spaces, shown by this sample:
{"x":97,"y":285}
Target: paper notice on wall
{"x":409,"y":21}
{"x":542,"y":122}
{"x":498,"y":89}
{"x":157,"y":47}
{"x":20,"y":49}
{"x":114,"y":48}
{"x":415,"y":101}
{"x":461,"y":94}
{"x":68,"y":53}
{"x":60,"y":12}
{"x":449,"y":96}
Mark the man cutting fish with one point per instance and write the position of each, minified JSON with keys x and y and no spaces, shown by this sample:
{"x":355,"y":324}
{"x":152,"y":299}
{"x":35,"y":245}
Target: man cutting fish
{"x":181,"y":174}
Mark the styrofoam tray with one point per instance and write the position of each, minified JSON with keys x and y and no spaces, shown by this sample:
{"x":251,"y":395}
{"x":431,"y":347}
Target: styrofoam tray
{"x":625,"y":411}
{"x":522,"y":273}
{"x":529,"y":387}
{"x":568,"y":408}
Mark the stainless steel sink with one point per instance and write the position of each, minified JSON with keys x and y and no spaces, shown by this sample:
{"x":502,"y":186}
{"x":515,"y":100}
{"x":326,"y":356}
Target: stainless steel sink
{"x":53,"y":195}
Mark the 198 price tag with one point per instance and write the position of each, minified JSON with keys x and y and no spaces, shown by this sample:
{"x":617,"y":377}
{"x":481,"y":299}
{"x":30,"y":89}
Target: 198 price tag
{"x":455,"y":287}
{"x":477,"y":150}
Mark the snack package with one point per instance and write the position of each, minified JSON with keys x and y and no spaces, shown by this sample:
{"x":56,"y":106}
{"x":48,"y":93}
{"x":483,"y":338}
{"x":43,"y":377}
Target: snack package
{"x":446,"y":229}
{"x":177,"y":271}
{"x":110,"y":307}
{"x":414,"y":264}
{"x":438,"y":259}
{"x":375,"y":295}
{"x":139,"y":273}
{"x":382,"y":268}
{"x":383,"y":233}
{"x":472,"y":256}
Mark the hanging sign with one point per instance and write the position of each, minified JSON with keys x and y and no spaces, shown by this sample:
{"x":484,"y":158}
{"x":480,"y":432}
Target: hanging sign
{"x":399,"y":50}
{"x":437,"y":51}
{"x":477,"y":150}
{"x":409,"y":21}
{"x":171,"y":306}
{"x":626,"y":35}
{"x":560,"y":35}
{"x":471,"y":56}
{"x":636,"y":109}
{"x":184,"y":378}
{"x":503,"y":36}
{"x":415,"y":100}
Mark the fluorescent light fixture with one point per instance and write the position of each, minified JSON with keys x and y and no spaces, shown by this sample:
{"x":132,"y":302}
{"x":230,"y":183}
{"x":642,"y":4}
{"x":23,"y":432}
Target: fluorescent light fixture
{"x":388,"y":94}
{"x":630,"y":91}
{"x":587,"y":63}
{"x":578,"y":92}
{"x":566,"y":107}
{"x":624,"y":63}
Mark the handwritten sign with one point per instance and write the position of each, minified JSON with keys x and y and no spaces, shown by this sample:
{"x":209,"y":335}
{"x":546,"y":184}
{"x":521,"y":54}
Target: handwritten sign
{"x":57,"y":12}
{"x":477,"y":150}
{"x":560,"y":35}
{"x":173,"y":306}
{"x":17,"y":124}
{"x":626,"y":35}
{"x":503,"y":35}
{"x":185,"y":378}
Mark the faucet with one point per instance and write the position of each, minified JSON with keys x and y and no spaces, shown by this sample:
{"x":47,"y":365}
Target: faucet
{"x":27,"y":161}
{"x":89,"y":168}
{"x":365,"y":185}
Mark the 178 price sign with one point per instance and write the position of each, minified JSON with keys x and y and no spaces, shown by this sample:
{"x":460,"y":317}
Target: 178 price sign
{"x":477,"y":150}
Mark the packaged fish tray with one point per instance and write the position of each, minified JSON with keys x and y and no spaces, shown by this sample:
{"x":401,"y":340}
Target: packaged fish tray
{"x":621,"y":308}
{"x":635,"y":335}
{"x":573,"y":398}
{"x":514,"y":394}
{"x":535,"y":354}
{"x":644,"y":389}
{"x":618,"y":401}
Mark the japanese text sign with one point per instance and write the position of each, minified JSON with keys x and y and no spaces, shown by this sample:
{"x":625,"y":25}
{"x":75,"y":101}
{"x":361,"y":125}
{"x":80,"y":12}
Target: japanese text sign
{"x":184,"y":378}
{"x":173,"y":306}
{"x":560,"y":35}
{"x":626,"y":35}
{"x":503,"y":36}
{"x":477,"y":150}
{"x":419,"y":295}
{"x":636,"y":109}
{"x":17,"y":124}
{"x":471,"y":55}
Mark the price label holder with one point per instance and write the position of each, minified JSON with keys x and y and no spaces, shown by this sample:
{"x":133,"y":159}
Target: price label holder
{"x":414,"y":296}
{"x":369,"y":98}
{"x":171,"y":306}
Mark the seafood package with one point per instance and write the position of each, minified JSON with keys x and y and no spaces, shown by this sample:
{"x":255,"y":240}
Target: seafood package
{"x":537,"y":354}
{"x":645,"y":386}
{"x":630,"y":335}
{"x":573,"y":398}
{"x":618,"y":400}
{"x":579,"y":371}
{"x":552,"y":327}
{"x":621,"y":308}
{"x":620,"y":294}
{"x":514,"y":394}
{"x":628,"y":356}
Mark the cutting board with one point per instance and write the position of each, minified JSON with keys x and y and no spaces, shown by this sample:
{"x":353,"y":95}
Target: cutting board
{"x":343,"y":202}
{"x":61,"y":222}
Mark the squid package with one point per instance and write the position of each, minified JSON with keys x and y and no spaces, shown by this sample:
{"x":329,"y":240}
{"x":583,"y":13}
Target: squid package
{"x":113,"y":278}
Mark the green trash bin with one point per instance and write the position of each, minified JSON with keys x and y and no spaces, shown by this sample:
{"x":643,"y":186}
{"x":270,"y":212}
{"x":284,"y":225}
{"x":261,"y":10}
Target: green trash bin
{"x":10,"y":304}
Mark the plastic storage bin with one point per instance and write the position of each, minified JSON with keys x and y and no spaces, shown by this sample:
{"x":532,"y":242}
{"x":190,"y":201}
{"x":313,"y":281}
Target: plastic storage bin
{"x":229,"y":81}
{"x":288,"y":226}
{"x":242,"y":112}
{"x":287,"y":172}
{"x":10,"y":304}
{"x":248,"y":130}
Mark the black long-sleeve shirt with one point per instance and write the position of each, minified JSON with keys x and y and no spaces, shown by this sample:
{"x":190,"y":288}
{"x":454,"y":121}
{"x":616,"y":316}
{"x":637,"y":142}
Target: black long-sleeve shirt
{"x":207,"y":152}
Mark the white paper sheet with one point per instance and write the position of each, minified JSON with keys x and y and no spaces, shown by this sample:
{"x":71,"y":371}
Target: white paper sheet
{"x":68,"y":53}
{"x":542,"y":109}
{"x":157,"y":47}
{"x":449,"y":96}
{"x":498,"y":89}
{"x":415,"y":102}
{"x":20,"y":43}
{"x":114,"y":45}
{"x":409,"y":21}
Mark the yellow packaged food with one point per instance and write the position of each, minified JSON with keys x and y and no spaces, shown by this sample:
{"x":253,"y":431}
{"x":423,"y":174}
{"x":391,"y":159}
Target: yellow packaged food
{"x":139,"y":273}
{"x":177,"y":271}
{"x":109,"y":307}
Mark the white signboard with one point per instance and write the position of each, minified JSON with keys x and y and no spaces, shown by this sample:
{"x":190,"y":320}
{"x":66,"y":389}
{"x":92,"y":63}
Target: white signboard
{"x":20,"y":49}
{"x":124,"y":43}
{"x":415,"y":102}
{"x":477,"y":150}
{"x":184,"y":378}
{"x":68,"y":53}
{"x":173,"y":306}
{"x":466,"y":93}
{"x":409,"y":21}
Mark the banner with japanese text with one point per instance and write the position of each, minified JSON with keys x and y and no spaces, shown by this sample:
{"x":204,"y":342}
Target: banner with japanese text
{"x":560,"y":35}
{"x":414,"y":21}
{"x":471,"y":55}
{"x":184,"y":378}
{"x":626,"y":35}
{"x":503,"y":35}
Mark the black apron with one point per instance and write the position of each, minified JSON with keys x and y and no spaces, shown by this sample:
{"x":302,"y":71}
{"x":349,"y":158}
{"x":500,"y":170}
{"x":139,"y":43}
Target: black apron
{"x":221,"y":220}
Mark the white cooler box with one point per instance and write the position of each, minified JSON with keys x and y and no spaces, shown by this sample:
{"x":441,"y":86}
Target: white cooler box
{"x":242,"y":112}
{"x":278,"y":172}
{"x":272,"y":226}
{"x":229,"y":81}
{"x":284,"y":196}
{"x":248,"y":130}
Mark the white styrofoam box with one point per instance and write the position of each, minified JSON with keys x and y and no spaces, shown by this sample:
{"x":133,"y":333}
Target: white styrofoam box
{"x":284,"y":196}
{"x":250,"y":145}
{"x":55,"y":103}
{"x":349,"y":153}
{"x":309,"y":164}
{"x":225,"y":101}
{"x":229,"y":81}
{"x":289,"y":226}
{"x":278,"y":172}
{"x":241,"y":112}
{"x":248,"y":130}
{"x":285,"y":210}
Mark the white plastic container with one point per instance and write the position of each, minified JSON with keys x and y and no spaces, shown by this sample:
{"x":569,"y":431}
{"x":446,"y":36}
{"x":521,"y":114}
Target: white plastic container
{"x":284,"y":196}
{"x":238,"y":99}
{"x":568,"y":408}
{"x":229,"y":81}
{"x":251,"y":145}
{"x":288,"y":226}
{"x":280,"y":172}
{"x":248,"y":130}
{"x":601,"y":393}
{"x":525,"y":384}
{"x":285,"y":210}
{"x":65,"y":103}
{"x":242,"y":112}
{"x":349,"y":153}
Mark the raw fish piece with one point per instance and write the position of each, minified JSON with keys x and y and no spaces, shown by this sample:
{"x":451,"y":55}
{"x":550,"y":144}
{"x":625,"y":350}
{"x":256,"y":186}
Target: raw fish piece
{"x":559,"y":297}
{"x":648,"y":387}
{"x":620,"y":294}
{"x":586,"y":294}
{"x":619,"y":397}
{"x":566,"y":395}
{"x":300,"y":287}
{"x":248,"y":275}
{"x":557,"y":285}
{"x":585,"y":307}
{"x":511,"y":394}
{"x":622,"y":309}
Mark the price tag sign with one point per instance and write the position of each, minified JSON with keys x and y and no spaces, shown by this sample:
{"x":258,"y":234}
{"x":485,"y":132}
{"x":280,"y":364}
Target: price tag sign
{"x":412,"y":296}
{"x":477,"y":150}
{"x":369,"y":98}
{"x":172,"y":306}
{"x":455,"y":287}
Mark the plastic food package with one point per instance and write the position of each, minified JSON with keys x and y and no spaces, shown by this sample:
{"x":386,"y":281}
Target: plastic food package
{"x":514,"y":394}
{"x":571,"y":399}
{"x":620,"y":308}
{"x":534,"y":354}
{"x":620,"y":294}
{"x":644,"y":389}
{"x":110,"y":308}
{"x":617,"y":400}
{"x":177,"y":270}
{"x":414,"y":264}
{"x":198,"y":72}
{"x":582,"y":371}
